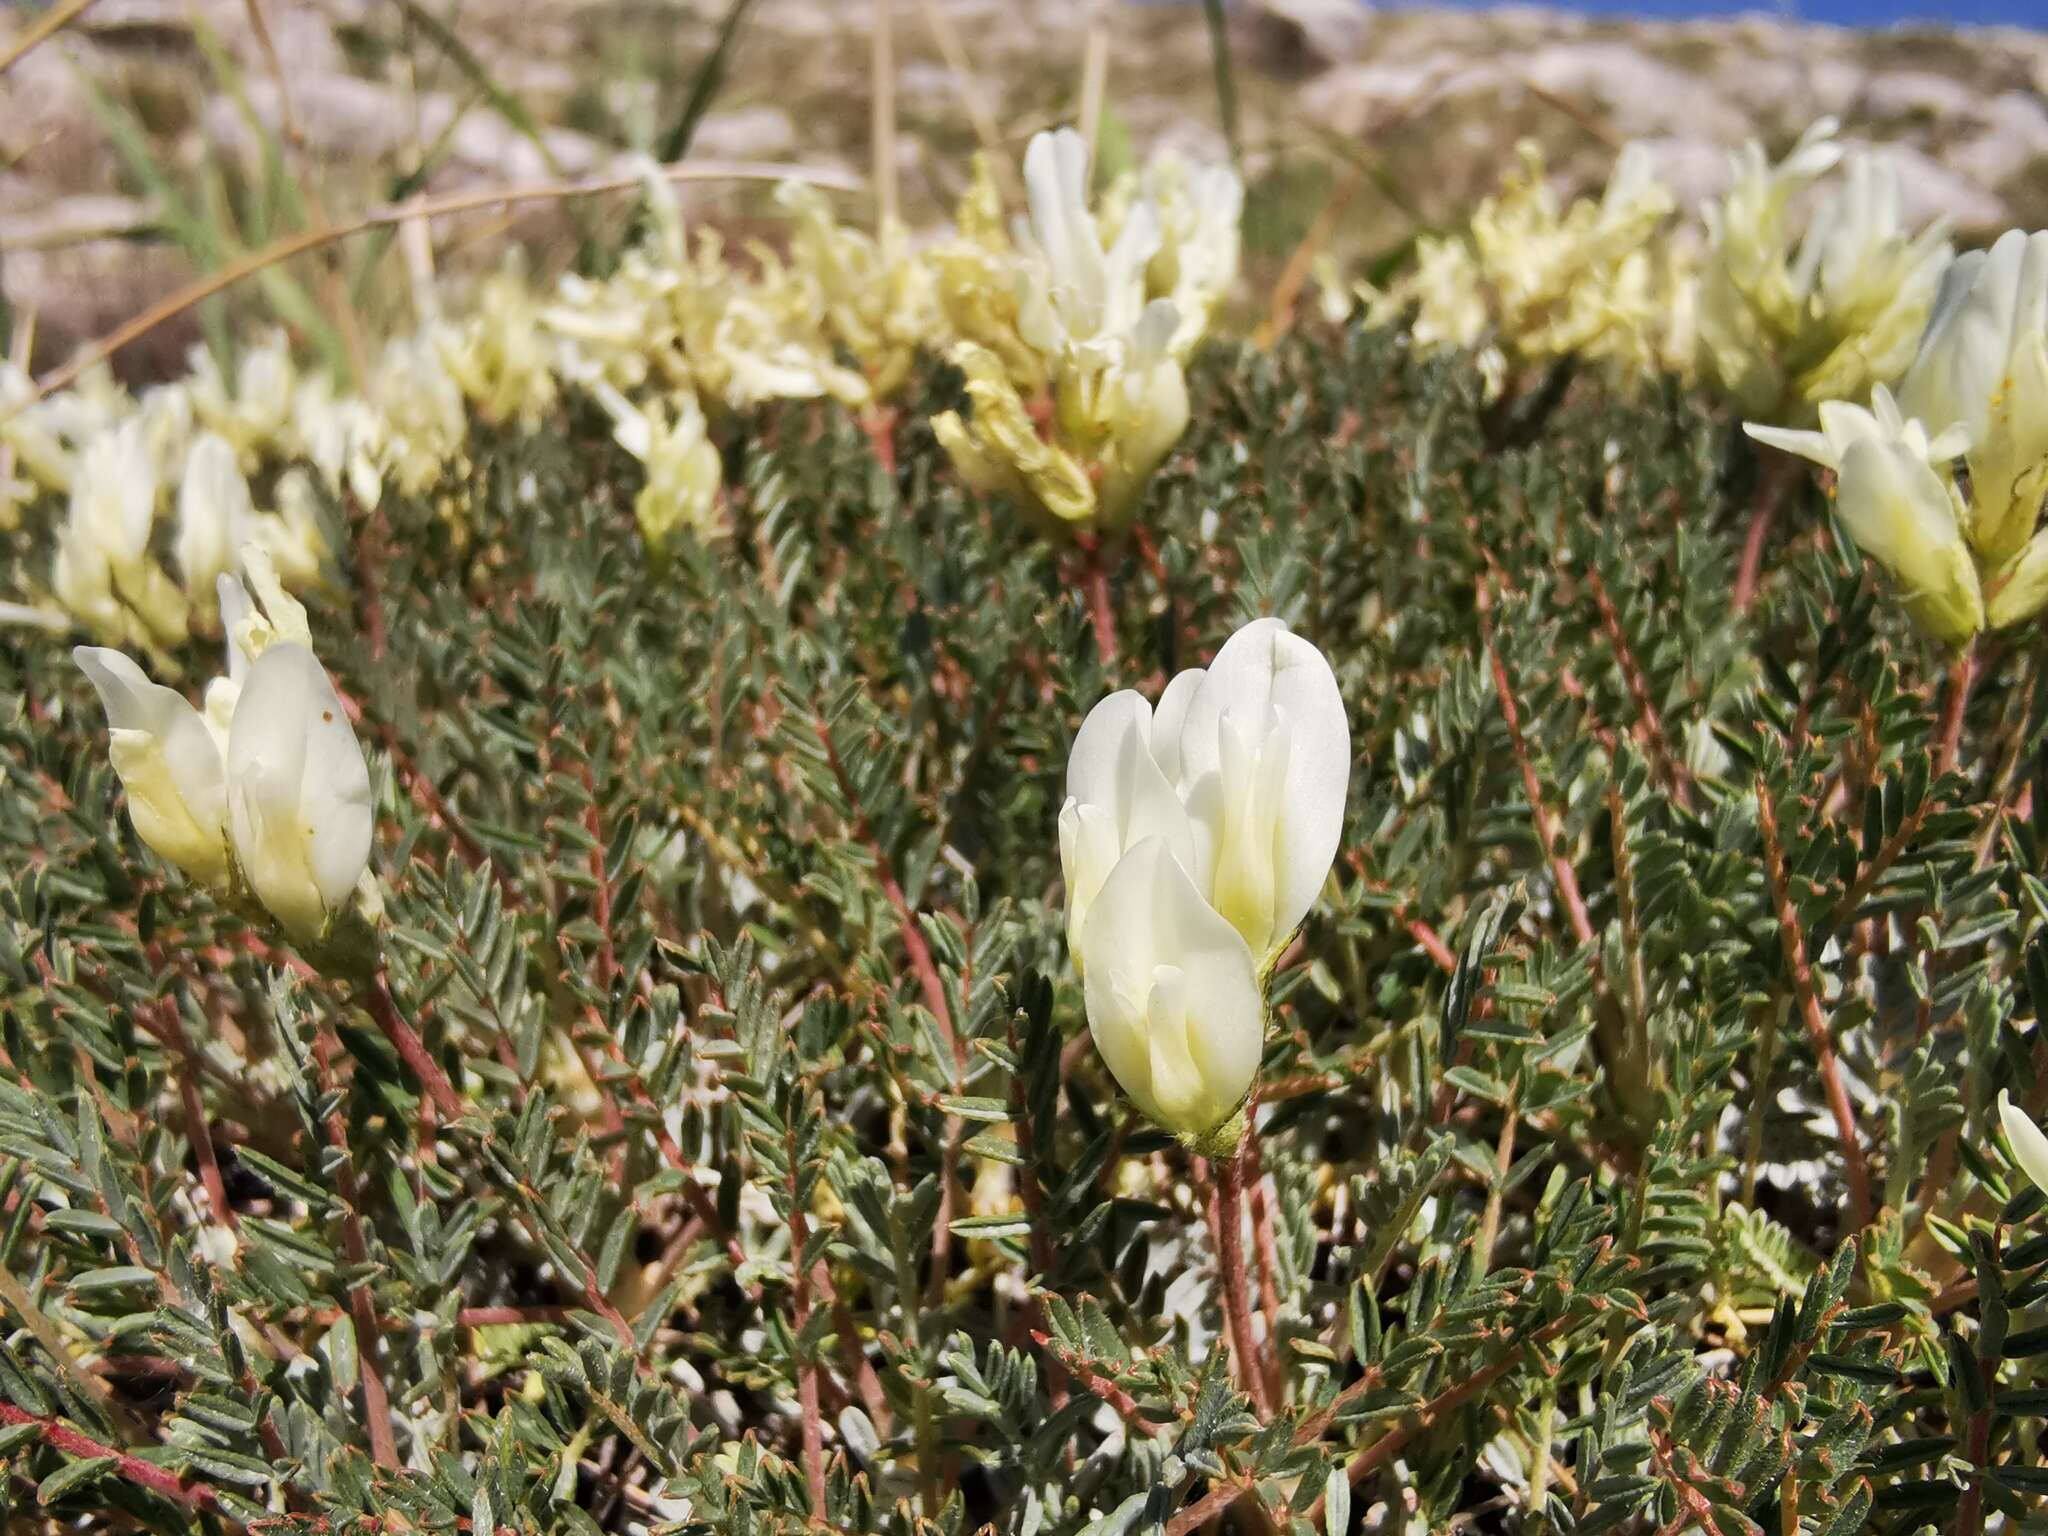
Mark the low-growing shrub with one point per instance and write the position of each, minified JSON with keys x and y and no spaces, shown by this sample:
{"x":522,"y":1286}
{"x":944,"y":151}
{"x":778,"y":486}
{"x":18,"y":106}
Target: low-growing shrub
{"x":718,"y":1144}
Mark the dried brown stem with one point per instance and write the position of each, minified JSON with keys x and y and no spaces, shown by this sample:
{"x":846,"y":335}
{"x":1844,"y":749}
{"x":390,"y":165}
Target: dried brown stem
{"x":384,"y":217}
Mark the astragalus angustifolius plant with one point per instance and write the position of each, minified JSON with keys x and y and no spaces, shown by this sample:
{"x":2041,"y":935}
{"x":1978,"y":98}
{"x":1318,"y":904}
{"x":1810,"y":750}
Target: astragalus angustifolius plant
{"x":699,"y":973}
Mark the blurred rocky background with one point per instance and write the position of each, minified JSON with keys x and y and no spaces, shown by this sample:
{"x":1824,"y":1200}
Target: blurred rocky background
{"x":152,"y":140}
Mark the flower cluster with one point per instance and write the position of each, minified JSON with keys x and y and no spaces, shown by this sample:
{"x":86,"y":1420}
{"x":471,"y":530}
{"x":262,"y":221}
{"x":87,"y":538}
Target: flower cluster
{"x":1777,"y":314}
{"x":1783,"y":327}
{"x":1074,"y":328}
{"x":1073,"y":351}
{"x":264,"y":792}
{"x":1943,"y":486}
{"x":1532,"y":281}
{"x":1194,"y":839}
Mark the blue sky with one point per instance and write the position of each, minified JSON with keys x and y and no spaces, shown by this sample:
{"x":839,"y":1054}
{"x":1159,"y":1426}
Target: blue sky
{"x":1846,"y":12}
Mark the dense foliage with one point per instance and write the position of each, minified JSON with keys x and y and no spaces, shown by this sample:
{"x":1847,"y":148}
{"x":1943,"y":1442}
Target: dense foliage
{"x":1625,"y":1130}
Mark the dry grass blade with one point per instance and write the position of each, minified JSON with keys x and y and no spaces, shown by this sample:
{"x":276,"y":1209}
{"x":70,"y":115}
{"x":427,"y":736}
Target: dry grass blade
{"x":44,"y":27}
{"x":391,"y":215}
{"x":973,"y":98}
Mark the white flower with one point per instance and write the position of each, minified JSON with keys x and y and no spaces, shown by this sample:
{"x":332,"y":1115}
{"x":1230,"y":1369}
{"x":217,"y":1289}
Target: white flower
{"x":1900,"y":504}
{"x":104,"y":573}
{"x":1173,"y":998}
{"x":215,"y":514}
{"x":683,"y":469}
{"x":1120,"y":792}
{"x":2029,"y":1145}
{"x":341,"y":435}
{"x":1193,"y":841}
{"x":1983,"y":367}
{"x":1075,"y":291}
{"x":1199,"y":209}
{"x":169,"y":760}
{"x":267,"y":785}
{"x":1782,"y":329}
{"x":299,"y":812}
{"x":1265,"y":763}
{"x":1242,"y":773}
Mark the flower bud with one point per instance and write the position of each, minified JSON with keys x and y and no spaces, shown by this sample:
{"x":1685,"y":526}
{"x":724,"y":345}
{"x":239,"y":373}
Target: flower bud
{"x":1119,"y":794}
{"x":1902,"y":510}
{"x":1265,"y":761}
{"x":215,"y":514}
{"x":2021,"y":589}
{"x":1173,"y":998}
{"x":2029,"y":1145}
{"x":298,"y":791}
{"x":170,"y":766}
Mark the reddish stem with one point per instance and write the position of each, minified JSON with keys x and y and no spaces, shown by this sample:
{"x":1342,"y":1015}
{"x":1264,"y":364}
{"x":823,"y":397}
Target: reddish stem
{"x":1265,"y":1245}
{"x":914,"y":945}
{"x":1095,"y":585}
{"x":807,"y":1360}
{"x":411,"y":1049}
{"x":1772,"y":485}
{"x":1244,"y":1345}
{"x":198,"y":1130}
{"x":145,"y":1474}
{"x":362,"y":1307}
{"x":1793,"y":942}
{"x":1962,"y":671}
{"x":1546,"y":833}
{"x":1651,"y":724}
{"x":878,"y":423}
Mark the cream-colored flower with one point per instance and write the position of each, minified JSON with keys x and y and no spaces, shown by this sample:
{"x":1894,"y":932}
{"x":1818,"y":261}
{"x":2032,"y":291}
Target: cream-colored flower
{"x":1198,"y":210}
{"x":2029,"y":1145}
{"x":1983,"y":368}
{"x":1115,"y":397}
{"x":425,"y":425}
{"x":170,"y":765}
{"x":104,"y":572}
{"x":216,"y":517}
{"x":1783,"y":326}
{"x":501,"y":357}
{"x":683,"y":469}
{"x":977,"y":283}
{"x":255,"y":414}
{"x":1900,"y":503}
{"x":1173,"y":999}
{"x":342,"y":436}
{"x":869,"y":293}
